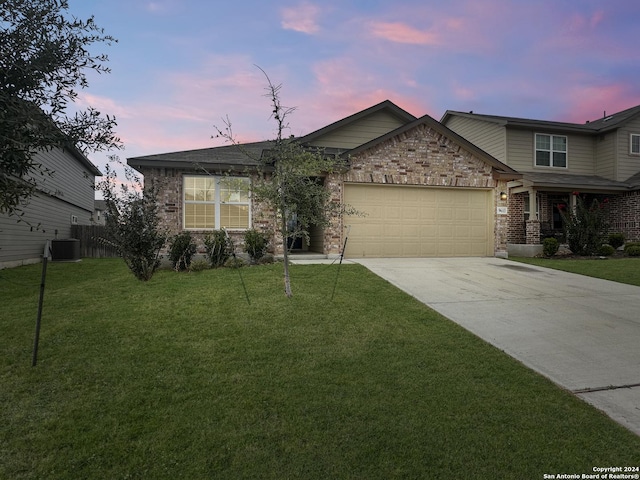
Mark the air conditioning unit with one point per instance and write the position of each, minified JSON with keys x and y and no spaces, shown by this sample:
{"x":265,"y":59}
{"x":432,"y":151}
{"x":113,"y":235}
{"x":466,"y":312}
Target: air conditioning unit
{"x":65,"y":249}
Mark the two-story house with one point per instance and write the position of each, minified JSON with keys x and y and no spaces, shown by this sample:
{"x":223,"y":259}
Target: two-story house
{"x":63,"y":198}
{"x":597,"y":159}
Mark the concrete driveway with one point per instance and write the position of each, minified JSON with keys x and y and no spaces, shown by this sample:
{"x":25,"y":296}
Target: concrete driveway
{"x":582,"y":333}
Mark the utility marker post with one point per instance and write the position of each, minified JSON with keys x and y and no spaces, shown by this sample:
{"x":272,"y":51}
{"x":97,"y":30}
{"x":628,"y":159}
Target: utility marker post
{"x":45,"y":259}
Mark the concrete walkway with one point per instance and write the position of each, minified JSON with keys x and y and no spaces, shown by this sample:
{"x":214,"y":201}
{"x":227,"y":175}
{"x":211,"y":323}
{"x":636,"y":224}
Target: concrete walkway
{"x":582,"y":333}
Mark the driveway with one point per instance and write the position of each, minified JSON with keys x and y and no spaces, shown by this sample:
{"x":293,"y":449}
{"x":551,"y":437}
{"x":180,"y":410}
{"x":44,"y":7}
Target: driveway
{"x":582,"y":333}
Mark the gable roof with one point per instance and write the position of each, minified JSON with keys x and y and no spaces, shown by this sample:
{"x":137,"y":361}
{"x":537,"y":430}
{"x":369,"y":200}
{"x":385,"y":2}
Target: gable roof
{"x":602,"y":125}
{"x":227,"y":157}
{"x":387,"y":106}
{"x":497,"y":165}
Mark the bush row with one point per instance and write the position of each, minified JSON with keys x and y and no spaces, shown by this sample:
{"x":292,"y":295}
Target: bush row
{"x":218,"y":250}
{"x":615,"y":240}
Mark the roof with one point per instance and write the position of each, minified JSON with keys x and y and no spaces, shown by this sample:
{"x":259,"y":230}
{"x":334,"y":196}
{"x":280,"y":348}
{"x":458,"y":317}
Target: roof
{"x":387,"y":105}
{"x":233,"y":157}
{"x":496,"y":164}
{"x":563,"y":181}
{"x":602,"y":125}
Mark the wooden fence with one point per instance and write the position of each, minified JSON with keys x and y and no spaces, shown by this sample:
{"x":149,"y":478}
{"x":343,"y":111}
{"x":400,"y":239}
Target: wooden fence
{"x":90,"y":244}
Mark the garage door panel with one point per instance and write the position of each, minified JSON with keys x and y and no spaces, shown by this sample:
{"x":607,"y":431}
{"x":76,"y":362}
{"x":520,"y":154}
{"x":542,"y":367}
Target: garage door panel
{"x":406,"y":221}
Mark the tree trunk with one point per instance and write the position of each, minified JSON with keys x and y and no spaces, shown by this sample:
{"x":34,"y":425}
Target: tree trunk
{"x":285,"y":252}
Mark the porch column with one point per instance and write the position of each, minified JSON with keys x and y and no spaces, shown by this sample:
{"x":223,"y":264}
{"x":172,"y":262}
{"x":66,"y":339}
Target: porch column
{"x":533,"y":231}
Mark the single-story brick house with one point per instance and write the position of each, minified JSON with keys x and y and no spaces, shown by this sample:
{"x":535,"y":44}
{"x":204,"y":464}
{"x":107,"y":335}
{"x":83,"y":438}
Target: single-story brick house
{"x":426,"y":191}
{"x":599,"y":159}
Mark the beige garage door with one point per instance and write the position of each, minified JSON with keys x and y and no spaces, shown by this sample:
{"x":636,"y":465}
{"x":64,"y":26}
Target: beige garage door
{"x":406,"y":221}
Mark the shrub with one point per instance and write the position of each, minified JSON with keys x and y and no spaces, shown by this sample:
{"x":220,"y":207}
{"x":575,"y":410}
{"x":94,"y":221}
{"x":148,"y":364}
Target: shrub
{"x":633,"y":251}
{"x":199,"y":264}
{"x":218,"y":248}
{"x":606,"y":250}
{"x":630,"y":245}
{"x":235,"y":262}
{"x":266,"y":259}
{"x":132,"y":221}
{"x":255,"y":244}
{"x":182,"y":248}
{"x":616,"y":240}
{"x":586,"y":226}
{"x":550,"y":247}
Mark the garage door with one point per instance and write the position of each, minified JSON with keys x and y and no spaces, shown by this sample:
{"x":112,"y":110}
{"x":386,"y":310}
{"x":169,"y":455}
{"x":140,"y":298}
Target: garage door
{"x":404,"y":221}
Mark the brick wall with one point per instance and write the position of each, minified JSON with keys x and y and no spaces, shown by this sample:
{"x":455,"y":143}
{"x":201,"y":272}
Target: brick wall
{"x":625,"y":215}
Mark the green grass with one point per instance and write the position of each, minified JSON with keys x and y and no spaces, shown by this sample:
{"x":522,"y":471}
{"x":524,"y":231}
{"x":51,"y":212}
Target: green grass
{"x":623,"y":270}
{"x":181,"y":378}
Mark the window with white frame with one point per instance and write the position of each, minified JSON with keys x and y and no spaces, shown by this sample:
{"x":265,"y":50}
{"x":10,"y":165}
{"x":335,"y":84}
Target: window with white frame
{"x":212,"y":202}
{"x":635,"y":144}
{"x":551,"y":150}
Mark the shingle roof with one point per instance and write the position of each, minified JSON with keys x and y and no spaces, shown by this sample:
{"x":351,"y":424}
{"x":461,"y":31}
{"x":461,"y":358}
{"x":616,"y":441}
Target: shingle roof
{"x":604,"y":124}
{"x":574,"y":182}
{"x":232,"y":157}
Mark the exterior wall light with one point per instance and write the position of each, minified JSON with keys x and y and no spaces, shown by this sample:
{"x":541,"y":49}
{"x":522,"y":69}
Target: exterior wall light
{"x":503,"y":196}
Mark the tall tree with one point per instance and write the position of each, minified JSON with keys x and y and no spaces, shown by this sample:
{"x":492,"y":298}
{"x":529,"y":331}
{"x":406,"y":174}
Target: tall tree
{"x":44,"y":59}
{"x":291,"y":181}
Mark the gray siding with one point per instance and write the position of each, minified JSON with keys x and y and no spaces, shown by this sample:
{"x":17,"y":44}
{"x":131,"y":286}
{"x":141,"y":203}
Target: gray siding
{"x":360,"y":132}
{"x":69,"y":191}
{"x":520,"y":148}
{"x":628,"y":165}
{"x":605,"y":149}
{"x":488,"y":136}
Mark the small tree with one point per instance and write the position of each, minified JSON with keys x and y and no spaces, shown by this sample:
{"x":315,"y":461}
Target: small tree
{"x":44,"y":57}
{"x":291,"y":181}
{"x":586,"y":226}
{"x":132,"y":221}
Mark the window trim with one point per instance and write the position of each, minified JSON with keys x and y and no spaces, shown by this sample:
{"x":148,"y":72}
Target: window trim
{"x":551,"y":151}
{"x":217,"y":179}
{"x":631,"y":135}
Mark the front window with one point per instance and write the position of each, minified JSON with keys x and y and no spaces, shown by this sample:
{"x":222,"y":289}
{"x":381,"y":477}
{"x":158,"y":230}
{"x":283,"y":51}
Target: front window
{"x":212,"y":202}
{"x":635,"y":144}
{"x":551,"y":151}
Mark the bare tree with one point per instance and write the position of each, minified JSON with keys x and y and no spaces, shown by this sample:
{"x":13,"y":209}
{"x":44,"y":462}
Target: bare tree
{"x":291,"y":180}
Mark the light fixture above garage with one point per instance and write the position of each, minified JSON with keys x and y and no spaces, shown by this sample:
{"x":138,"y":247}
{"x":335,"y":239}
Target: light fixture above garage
{"x":503,"y":196}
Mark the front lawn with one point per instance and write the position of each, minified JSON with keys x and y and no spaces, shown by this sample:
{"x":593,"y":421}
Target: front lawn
{"x":181,"y":378}
{"x":618,"y":269}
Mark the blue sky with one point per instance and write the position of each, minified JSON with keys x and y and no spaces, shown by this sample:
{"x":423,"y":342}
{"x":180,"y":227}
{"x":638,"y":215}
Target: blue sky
{"x":180,"y":66}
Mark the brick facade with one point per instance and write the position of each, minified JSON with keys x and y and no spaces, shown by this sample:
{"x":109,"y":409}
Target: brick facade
{"x":418,"y":157}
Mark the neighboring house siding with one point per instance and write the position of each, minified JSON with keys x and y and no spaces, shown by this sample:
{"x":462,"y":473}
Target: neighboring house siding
{"x":67,"y":192}
{"x":490,"y":137}
{"x":70,"y":181}
{"x":521,"y":152}
{"x":360,"y":132}
{"x":628,"y":165}
{"x":23,"y":242}
{"x":605,"y":148}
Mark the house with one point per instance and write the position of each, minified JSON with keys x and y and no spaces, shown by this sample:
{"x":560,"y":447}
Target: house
{"x":598,"y":159}
{"x":99,"y":211}
{"x":425,"y":190}
{"x":62,"y":199}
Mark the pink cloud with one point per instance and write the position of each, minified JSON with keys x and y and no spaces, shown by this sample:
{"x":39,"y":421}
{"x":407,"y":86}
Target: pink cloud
{"x":589,"y":102}
{"x":401,"y":33}
{"x":302,"y":18}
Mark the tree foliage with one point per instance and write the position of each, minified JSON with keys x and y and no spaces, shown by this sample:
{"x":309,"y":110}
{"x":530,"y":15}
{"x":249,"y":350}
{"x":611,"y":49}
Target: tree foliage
{"x":44,"y":59}
{"x":291,"y":181}
{"x":132,"y":221}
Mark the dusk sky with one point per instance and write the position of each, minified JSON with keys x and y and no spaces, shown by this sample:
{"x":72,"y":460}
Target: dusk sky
{"x":180,"y":66}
